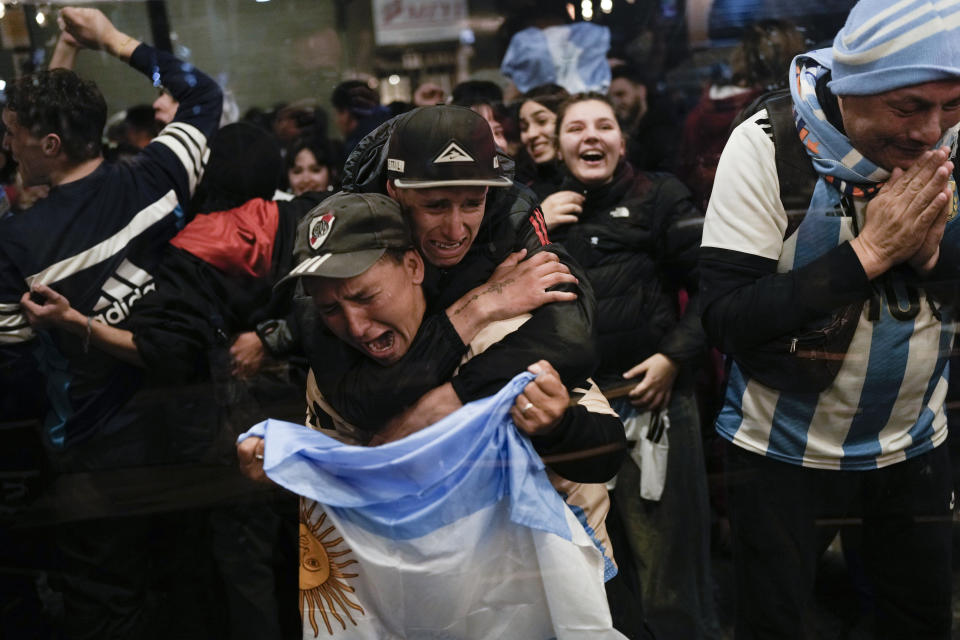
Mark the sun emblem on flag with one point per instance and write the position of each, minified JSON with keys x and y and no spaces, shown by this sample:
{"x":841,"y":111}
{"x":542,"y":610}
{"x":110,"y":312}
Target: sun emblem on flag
{"x":323,"y":582}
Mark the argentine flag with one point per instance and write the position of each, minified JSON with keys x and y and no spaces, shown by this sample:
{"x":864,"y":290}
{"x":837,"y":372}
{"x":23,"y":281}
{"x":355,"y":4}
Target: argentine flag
{"x":573,"y":56}
{"x":451,"y":532}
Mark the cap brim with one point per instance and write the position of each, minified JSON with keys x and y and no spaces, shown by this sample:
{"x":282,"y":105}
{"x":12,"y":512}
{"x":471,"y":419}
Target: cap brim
{"x":502,"y":181}
{"x":334,"y":265}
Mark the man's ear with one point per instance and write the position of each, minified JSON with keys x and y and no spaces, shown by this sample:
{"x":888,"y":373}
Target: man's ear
{"x":392,"y":190}
{"x":413,"y":261}
{"x":50,"y":145}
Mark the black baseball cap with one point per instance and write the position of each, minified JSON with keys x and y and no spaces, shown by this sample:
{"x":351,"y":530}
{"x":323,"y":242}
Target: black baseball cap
{"x":443,"y":146}
{"x":346,"y":234}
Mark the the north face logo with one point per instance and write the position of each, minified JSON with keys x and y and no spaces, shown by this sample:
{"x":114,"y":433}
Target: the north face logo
{"x":121,"y":291}
{"x":453,"y":153}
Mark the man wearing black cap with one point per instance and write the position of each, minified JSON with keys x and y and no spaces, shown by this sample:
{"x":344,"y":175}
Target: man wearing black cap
{"x":443,"y":193}
{"x":467,"y":218}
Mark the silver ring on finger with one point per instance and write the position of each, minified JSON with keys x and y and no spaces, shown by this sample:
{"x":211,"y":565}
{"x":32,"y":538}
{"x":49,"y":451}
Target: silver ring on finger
{"x":523,"y":410}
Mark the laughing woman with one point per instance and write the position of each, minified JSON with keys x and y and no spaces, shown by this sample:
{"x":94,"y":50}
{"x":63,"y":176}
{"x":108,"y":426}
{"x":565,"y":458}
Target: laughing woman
{"x":311,"y":166}
{"x":538,"y":133}
{"x":637,"y":236}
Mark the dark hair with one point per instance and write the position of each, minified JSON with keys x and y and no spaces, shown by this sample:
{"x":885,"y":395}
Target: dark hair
{"x":259,"y":117}
{"x":399,"y":106}
{"x":59,"y":101}
{"x":120,"y":151}
{"x":580,"y":97}
{"x":471,"y":92}
{"x":631,"y":73}
{"x":141,"y":118}
{"x":355,"y":96}
{"x":762,"y":58}
{"x":244,"y":163}
{"x":323,"y":152}
{"x":549,"y":95}
{"x":395,"y":255}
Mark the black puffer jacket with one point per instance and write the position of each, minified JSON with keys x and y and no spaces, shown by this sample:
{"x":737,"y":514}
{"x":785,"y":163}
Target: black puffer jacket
{"x":368,"y":394}
{"x":638,"y":239}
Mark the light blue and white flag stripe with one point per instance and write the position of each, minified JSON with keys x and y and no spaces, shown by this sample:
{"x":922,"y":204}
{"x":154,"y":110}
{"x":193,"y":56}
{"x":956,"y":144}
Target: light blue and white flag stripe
{"x":455,"y":530}
{"x":461,"y":464}
{"x":573,"y":56}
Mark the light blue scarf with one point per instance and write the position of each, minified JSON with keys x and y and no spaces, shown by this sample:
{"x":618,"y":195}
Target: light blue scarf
{"x":842,"y":170}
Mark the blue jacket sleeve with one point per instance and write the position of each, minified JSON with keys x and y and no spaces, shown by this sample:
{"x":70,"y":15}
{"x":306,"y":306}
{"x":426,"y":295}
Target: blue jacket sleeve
{"x":179,"y":152}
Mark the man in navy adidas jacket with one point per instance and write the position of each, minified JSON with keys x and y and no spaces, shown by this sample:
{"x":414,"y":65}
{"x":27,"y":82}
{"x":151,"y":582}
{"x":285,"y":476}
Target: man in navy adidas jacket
{"x":98,"y":236}
{"x":97,"y":239}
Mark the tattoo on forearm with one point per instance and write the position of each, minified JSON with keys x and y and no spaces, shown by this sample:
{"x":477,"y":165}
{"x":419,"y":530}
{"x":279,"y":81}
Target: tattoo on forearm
{"x":494,"y":287}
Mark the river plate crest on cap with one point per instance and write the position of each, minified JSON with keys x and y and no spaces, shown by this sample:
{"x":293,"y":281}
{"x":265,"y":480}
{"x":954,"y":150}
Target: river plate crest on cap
{"x":320,"y":229}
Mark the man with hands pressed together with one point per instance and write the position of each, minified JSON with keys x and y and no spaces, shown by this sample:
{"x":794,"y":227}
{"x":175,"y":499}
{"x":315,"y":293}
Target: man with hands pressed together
{"x":840,"y":331}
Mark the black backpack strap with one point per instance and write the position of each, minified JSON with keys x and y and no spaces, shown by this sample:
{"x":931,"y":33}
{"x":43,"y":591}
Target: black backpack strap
{"x":794,"y":169}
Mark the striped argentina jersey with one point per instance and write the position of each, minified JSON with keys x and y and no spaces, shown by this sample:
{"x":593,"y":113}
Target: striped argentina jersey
{"x":887,"y":401}
{"x":98,"y":241}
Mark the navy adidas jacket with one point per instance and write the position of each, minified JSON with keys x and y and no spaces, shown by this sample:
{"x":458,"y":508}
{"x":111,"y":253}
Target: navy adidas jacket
{"x":98,"y":241}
